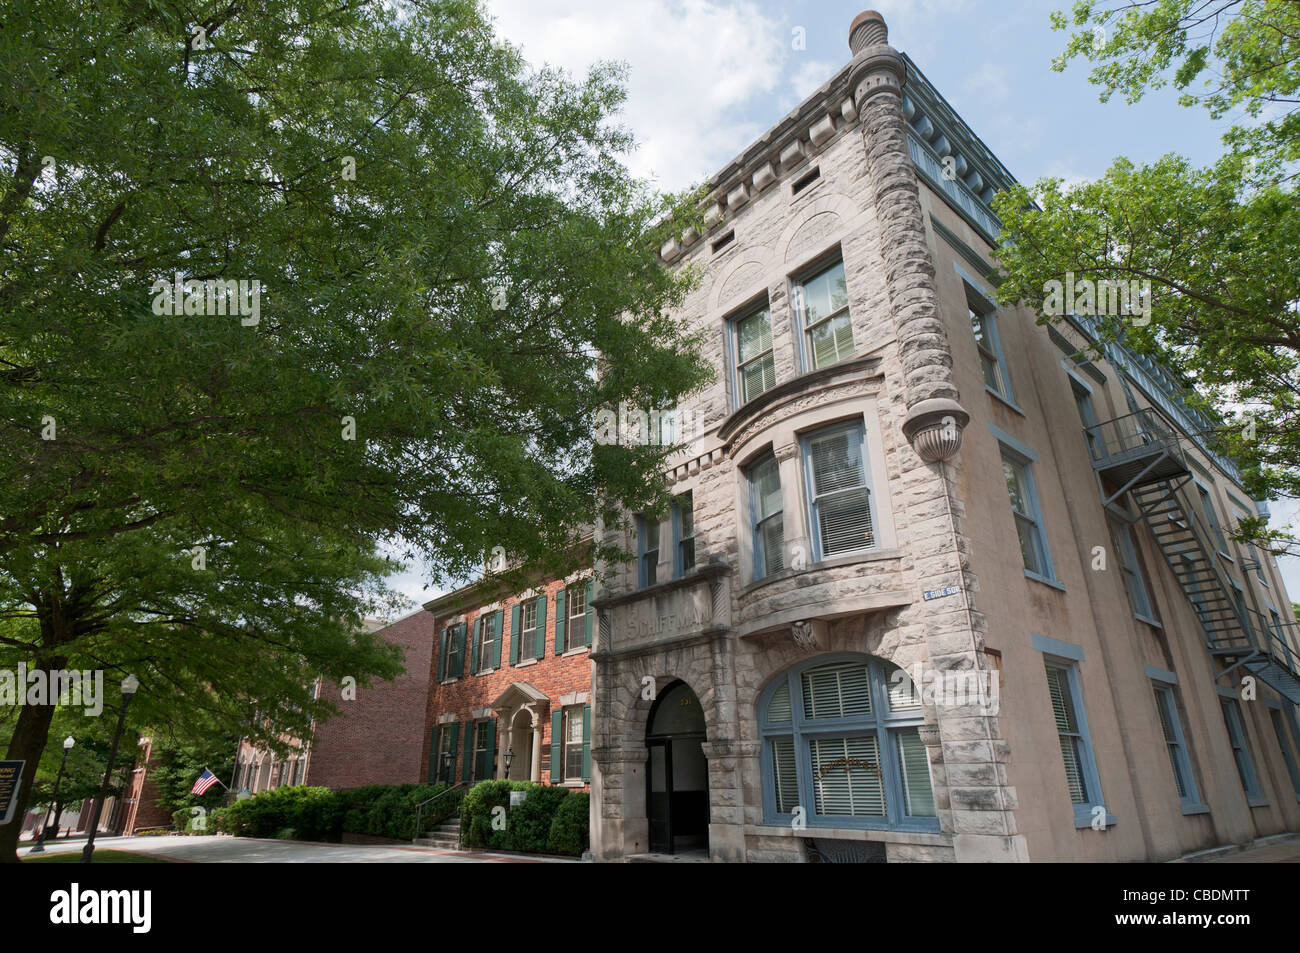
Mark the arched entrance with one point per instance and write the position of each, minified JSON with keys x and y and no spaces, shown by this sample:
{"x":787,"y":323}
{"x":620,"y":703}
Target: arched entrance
{"x":677,"y":779}
{"x":521,"y":743}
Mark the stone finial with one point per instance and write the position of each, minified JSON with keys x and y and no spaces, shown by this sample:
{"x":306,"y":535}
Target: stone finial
{"x":867,"y":29}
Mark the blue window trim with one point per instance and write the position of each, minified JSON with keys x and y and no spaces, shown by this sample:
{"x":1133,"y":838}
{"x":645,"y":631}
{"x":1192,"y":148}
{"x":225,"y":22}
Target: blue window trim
{"x":678,"y":505}
{"x":1288,"y":753}
{"x":760,"y":570}
{"x":733,"y":348}
{"x":1026,"y":458}
{"x":1289,"y":716}
{"x":882,"y":724}
{"x":1129,"y":558}
{"x":1207,"y":510}
{"x":1069,"y":663}
{"x":1236,"y":725}
{"x":805,"y":455}
{"x":642,"y":576}
{"x":1050,"y":646}
{"x":1160,"y":675}
{"x":1190,"y":802}
{"x":990,"y":312}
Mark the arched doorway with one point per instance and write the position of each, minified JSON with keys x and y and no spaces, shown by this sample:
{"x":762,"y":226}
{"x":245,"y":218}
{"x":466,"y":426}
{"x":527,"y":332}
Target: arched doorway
{"x":677,"y":780}
{"x":521,"y":744}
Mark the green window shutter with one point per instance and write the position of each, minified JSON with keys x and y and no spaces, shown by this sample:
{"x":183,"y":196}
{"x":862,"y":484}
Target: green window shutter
{"x":591,"y":613}
{"x":440,"y":655}
{"x":515,"y":612}
{"x":498,"y":618}
{"x":560,"y":622}
{"x":461,"y":635}
{"x":490,"y":769}
{"x":468,"y":760}
{"x":557,"y":746}
{"x":478,"y":637}
{"x":539,"y":637}
{"x":586,"y":742}
{"x":433,"y":754}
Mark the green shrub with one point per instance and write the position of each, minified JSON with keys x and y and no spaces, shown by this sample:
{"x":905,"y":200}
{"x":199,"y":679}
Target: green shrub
{"x":529,"y":824}
{"x":217,"y":821}
{"x":286,"y":833}
{"x":382,"y":810}
{"x":570,"y":832}
{"x":527,"y":827}
{"x":184,"y":821}
{"x":313,"y":812}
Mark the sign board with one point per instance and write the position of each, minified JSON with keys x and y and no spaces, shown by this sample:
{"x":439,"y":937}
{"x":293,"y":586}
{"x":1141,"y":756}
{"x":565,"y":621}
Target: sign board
{"x":940,"y":593}
{"x":517,"y":798}
{"x":11,"y":773}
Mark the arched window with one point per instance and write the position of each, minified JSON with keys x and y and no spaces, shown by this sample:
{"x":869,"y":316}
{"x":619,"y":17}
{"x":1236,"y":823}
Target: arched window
{"x":841,"y":740}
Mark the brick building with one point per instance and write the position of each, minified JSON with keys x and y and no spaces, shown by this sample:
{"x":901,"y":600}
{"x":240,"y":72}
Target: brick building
{"x":894,"y":479}
{"x":510,"y":684}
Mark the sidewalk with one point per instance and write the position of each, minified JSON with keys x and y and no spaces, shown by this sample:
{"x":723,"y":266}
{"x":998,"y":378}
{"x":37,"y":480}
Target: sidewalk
{"x":1280,"y":849}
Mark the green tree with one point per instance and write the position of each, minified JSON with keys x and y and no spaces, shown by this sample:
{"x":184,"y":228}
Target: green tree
{"x":454,"y":273}
{"x":1216,"y":245}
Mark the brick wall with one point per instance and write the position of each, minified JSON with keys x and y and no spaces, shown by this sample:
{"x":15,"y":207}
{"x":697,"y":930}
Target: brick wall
{"x":379,"y":737}
{"x":554,"y":675}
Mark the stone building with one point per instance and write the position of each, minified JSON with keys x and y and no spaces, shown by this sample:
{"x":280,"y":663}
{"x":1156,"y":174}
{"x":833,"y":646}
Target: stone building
{"x":937,"y":586}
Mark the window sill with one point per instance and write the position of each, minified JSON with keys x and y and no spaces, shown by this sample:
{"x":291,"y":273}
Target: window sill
{"x":1044,"y":580}
{"x":524,"y":663}
{"x":865,"y":556}
{"x":485,"y":671}
{"x":571,"y":784}
{"x":1151,"y":622}
{"x":580,"y":650}
{"x":1085,"y":821}
{"x":1190,"y":809}
{"x":449,"y":681}
{"x":1005,"y":401}
{"x":1257,"y":800}
{"x":929,"y":834}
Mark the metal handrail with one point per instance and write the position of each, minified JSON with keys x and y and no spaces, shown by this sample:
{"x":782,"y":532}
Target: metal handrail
{"x":419,"y":808}
{"x":1119,"y":435}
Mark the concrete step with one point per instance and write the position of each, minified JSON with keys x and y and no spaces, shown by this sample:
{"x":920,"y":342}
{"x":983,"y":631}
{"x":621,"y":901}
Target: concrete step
{"x":439,"y":840}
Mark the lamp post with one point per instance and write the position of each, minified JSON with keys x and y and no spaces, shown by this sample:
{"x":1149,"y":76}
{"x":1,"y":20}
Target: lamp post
{"x":129,"y":686}
{"x":68,"y":744}
{"x":510,"y":756}
{"x":446,"y":766}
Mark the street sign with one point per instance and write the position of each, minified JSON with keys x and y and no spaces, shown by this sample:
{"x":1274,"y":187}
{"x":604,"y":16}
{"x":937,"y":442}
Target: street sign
{"x":11,"y":773}
{"x":940,"y":593}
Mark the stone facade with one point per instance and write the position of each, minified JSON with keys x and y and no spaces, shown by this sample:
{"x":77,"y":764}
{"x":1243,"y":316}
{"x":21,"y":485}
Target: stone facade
{"x":941,"y":588}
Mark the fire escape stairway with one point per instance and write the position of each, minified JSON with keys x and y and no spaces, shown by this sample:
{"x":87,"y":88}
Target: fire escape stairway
{"x":1140,"y":454}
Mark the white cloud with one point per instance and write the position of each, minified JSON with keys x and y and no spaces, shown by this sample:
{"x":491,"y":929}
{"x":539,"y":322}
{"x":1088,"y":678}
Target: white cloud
{"x":990,"y":82}
{"x":809,"y":76}
{"x":694,"y":66}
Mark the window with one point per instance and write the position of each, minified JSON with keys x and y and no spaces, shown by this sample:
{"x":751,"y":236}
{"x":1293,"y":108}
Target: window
{"x":1130,"y":567}
{"x":1171,"y":726}
{"x":755,"y":365}
{"x":842,"y":742}
{"x":839,"y":499}
{"x":1276,"y":717}
{"x":302,"y":770}
{"x":1239,"y":600}
{"x":571,"y":630}
{"x":766,"y":507}
{"x":683,"y":535}
{"x":1088,"y":416}
{"x":573,"y":738}
{"x":822,"y":303}
{"x":486,"y":634}
{"x":453,"y":653}
{"x":806,"y":180}
{"x":485,"y":732}
{"x":647,"y":546}
{"x":1076,"y":747}
{"x":1024,"y":505}
{"x":447,"y":753}
{"x":529,"y":644}
{"x":983,"y":323}
{"x":1240,"y":750}
{"x":1207,"y":507}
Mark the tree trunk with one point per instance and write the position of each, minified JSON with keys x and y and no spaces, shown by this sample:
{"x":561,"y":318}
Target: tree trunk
{"x":27,"y":745}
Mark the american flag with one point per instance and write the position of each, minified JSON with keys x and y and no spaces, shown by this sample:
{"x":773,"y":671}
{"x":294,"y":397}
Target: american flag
{"x":205,"y":781}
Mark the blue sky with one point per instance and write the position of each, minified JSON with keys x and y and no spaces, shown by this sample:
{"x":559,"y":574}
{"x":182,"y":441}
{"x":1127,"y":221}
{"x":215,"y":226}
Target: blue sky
{"x":706,"y":78}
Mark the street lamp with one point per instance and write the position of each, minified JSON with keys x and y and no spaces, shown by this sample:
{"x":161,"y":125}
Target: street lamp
{"x":129,"y":686}
{"x":446,"y":765}
{"x":510,"y":756}
{"x":68,"y":743}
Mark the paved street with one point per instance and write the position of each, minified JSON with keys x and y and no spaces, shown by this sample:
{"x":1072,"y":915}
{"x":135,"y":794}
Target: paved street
{"x":220,"y":849}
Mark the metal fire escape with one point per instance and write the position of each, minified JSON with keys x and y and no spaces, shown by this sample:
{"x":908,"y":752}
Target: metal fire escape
{"x":1142,"y":455}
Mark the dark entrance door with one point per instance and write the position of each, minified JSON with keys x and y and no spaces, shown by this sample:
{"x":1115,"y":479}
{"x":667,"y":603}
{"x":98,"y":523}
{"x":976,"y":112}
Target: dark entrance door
{"x":677,"y":782}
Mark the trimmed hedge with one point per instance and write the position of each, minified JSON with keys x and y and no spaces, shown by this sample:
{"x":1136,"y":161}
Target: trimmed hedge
{"x":551,"y":819}
{"x":316,"y":813}
{"x":184,"y":822}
